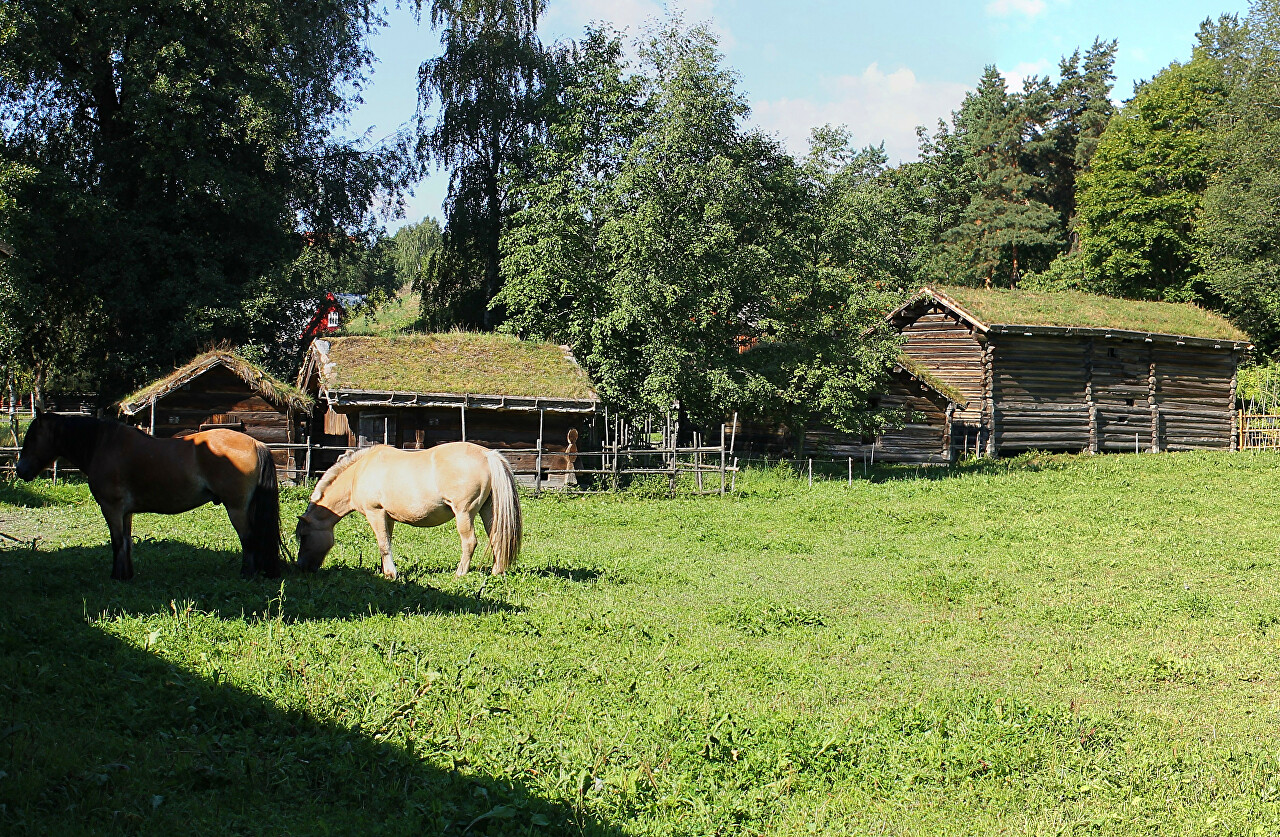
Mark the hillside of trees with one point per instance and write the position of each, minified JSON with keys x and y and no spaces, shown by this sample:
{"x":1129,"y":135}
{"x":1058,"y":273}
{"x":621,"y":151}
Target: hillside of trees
{"x":168,"y":182}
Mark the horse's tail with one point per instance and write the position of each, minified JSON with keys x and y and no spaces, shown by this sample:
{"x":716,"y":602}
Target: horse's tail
{"x":508,"y":524}
{"x":264,"y":516}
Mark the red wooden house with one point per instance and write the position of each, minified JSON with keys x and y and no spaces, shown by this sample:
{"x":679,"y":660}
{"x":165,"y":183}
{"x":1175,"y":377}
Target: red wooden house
{"x":330,"y":315}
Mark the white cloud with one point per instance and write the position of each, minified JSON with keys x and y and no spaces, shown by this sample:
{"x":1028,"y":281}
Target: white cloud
{"x":1014,"y":78}
{"x":1009,"y":8}
{"x":877,"y":106}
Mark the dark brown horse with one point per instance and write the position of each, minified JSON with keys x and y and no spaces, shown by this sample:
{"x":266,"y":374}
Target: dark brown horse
{"x":130,"y":472}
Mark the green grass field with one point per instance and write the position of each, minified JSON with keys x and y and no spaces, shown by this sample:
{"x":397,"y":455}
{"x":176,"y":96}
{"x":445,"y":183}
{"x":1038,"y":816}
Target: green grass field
{"x":1043,"y":646}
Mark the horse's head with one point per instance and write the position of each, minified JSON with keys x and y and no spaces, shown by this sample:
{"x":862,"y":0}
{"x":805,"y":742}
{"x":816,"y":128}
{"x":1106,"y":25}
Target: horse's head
{"x":39,"y":446}
{"x":315,"y":537}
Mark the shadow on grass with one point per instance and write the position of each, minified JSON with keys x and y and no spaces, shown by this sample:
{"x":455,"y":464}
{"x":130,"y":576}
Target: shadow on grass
{"x":101,"y":736}
{"x":173,"y":574}
{"x":567,"y":573}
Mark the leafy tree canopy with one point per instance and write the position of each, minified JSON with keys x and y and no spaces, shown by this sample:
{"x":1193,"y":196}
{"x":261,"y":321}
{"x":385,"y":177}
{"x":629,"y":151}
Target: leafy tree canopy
{"x":491,"y":85}
{"x":170,"y":155}
{"x":1238,"y":234}
{"x":687,"y":260}
{"x":1138,"y":202}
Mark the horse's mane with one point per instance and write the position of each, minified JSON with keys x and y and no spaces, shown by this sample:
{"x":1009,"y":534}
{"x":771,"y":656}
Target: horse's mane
{"x":344,"y":462}
{"x":77,"y":436}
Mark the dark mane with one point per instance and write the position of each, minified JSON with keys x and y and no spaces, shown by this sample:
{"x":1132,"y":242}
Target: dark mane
{"x":76,"y":437}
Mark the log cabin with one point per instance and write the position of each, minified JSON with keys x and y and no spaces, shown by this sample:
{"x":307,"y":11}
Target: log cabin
{"x":419,"y":390}
{"x":1070,"y":371}
{"x":221,"y":389}
{"x":920,"y":404}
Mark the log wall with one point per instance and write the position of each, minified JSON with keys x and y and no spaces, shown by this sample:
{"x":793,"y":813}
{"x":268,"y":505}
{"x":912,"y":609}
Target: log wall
{"x":1108,"y":394}
{"x":220,"y":398}
{"x":925,"y":437}
{"x":416,"y":428}
{"x":944,"y":345}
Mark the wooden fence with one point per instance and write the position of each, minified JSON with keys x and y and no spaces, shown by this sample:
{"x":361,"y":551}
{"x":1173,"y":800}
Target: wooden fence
{"x":693,"y":469}
{"x":1258,"y":431}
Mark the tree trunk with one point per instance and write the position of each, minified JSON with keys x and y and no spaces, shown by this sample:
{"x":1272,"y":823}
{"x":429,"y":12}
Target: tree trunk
{"x":798,"y":432}
{"x":37,"y":386}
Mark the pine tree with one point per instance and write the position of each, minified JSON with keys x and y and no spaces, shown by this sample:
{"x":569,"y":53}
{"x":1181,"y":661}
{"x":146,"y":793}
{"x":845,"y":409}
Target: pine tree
{"x":1006,"y":226}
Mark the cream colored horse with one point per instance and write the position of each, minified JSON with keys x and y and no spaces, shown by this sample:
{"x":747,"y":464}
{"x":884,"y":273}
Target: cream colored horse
{"x":421,"y":488}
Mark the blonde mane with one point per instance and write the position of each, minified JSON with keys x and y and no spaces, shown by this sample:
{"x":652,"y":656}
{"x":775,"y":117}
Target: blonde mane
{"x":344,"y":462}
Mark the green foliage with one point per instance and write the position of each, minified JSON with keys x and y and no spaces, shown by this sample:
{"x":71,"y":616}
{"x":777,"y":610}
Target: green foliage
{"x":660,"y":240}
{"x":491,"y":83}
{"x":413,"y":247}
{"x":174,"y":154}
{"x":1237,"y":232}
{"x":995,"y":191}
{"x":1006,"y":226}
{"x":1047,"y":645}
{"x":1138,"y":202}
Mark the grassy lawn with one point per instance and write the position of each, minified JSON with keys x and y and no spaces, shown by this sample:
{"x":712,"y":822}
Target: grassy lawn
{"x":1044,"y":646}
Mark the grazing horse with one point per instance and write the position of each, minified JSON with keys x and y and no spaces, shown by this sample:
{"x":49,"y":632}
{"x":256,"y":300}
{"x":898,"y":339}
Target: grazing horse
{"x":422,"y":488}
{"x":129,"y":472}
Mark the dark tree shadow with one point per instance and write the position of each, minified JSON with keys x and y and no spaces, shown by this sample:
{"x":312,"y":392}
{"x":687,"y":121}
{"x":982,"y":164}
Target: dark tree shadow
{"x":100,"y":736}
{"x":573,"y":574}
{"x":174,"y":573}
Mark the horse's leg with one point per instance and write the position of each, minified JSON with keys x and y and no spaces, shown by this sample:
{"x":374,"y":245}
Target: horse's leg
{"x":240,"y":522}
{"x":486,"y":515}
{"x":381,"y":524}
{"x":121,"y":527}
{"x":467,"y":533}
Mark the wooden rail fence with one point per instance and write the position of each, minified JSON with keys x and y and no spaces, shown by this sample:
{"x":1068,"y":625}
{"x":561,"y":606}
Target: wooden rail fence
{"x":1258,"y":431}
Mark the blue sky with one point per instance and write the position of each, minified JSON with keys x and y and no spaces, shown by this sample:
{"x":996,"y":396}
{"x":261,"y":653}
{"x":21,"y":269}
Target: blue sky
{"x":880,"y":68}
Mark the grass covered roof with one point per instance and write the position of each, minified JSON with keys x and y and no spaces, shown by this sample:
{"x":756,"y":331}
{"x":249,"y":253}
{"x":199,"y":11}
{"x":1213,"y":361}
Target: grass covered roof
{"x":931,"y":380}
{"x":1082,"y":310}
{"x":258,"y":379}
{"x":457,"y":363}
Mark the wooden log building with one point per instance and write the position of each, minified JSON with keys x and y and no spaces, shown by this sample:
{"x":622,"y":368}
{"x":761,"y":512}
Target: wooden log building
{"x":419,"y":390}
{"x":923,"y":404}
{"x":221,"y":389}
{"x":1069,"y":371}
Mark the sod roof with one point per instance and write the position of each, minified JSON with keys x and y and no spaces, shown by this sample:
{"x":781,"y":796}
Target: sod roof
{"x":1076,"y":309}
{"x":459,"y":363}
{"x":258,"y":380}
{"x":931,"y":380}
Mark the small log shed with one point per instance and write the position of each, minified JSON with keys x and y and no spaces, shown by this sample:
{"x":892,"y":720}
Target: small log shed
{"x":419,"y":390}
{"x":221,"y":389}
{"x":923,"y":404}
{"x":1070,"y":371}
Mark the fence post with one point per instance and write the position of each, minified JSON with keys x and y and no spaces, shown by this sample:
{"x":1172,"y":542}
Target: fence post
{"x":722,"y":459}
{"x":811,"y":472}
{"x":614,"y":478}
{"x":306,"y":468}
{"x":697,"y":460}
{"x":851,"y":472}
{"x":537,"y":471}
